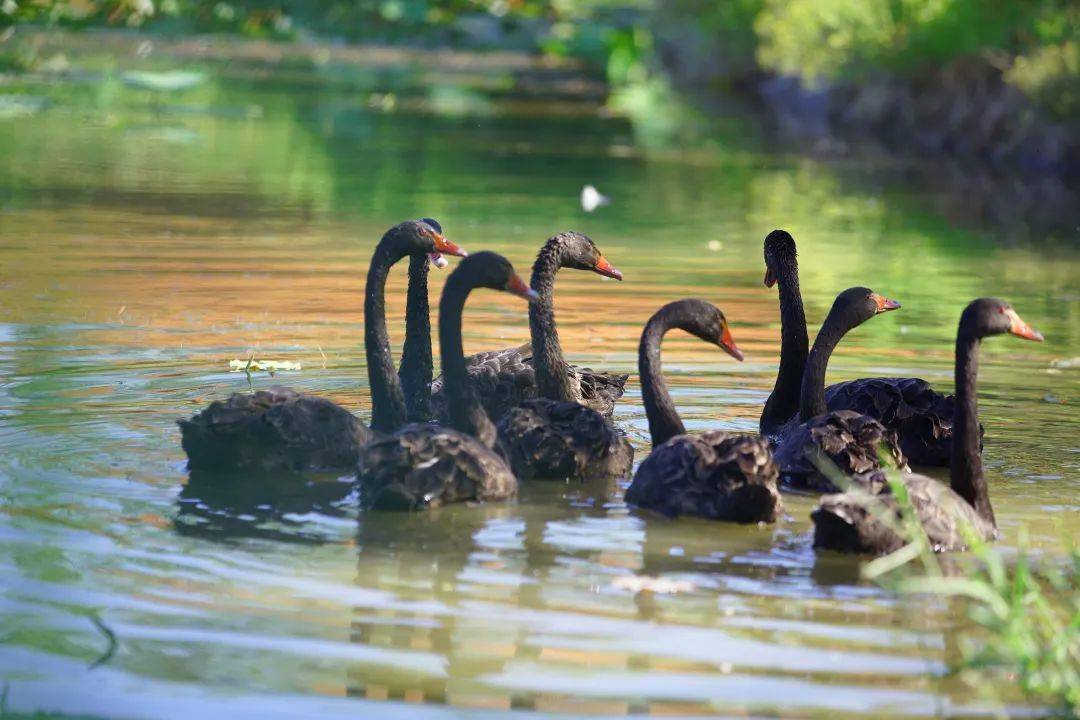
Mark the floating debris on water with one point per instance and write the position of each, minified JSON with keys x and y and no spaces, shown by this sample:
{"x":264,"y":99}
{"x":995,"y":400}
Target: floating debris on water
{"x":271,"y":366}
{"x":663,"y":586}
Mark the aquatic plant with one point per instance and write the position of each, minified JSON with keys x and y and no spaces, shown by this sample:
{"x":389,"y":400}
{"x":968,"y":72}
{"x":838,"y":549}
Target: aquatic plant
{"x":1026,"y":612}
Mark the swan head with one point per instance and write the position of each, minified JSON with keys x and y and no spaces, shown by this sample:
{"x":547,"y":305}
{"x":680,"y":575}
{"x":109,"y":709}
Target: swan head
{"x":705,"y":321}
{"x":415,"y":237}
{"x":436,"y":258}
{"x":993,"y":316}
{"x":781,"y":257}
{"x":856,"y":305}
{"x":579,"y":252}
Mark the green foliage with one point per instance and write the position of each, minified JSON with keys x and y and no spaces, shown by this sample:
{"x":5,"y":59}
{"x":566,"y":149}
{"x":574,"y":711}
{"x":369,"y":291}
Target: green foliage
{"x":1029,"y":612}
{"x":845,"y":39}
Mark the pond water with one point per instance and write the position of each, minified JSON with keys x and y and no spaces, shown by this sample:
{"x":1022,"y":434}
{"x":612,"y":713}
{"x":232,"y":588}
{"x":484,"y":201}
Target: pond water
{"x":147,"y":240}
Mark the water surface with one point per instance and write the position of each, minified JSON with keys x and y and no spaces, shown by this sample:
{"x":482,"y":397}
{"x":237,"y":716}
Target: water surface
{"x":146,"y":241}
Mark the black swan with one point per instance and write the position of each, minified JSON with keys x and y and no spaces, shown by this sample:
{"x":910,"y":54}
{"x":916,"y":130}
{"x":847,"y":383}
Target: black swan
{"x":427,"y":465}
{"x":921,"y":416}
{"x":717,"y":475}
{"x":282,"y":429}
{"x":848,"y":439}
{"x":844,"y":521}
{"x":506,"y":378}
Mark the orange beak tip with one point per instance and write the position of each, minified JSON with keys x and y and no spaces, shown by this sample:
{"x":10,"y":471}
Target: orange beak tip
{"x":518,"y":287}
{"x":1028,"y":333}
{"x":603,"y":267}
{"x":727,"y":344}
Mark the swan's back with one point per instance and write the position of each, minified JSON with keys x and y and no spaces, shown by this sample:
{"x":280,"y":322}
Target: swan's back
{"x":425,"y":465}
{"x":504,"y":379}
{"x":716,"y":475}
{"x":273,"y":429}
{"x":845,"y":521}
{"x":849,"y":440}
{"x":556,"y":440}
{"x":921,"y":416}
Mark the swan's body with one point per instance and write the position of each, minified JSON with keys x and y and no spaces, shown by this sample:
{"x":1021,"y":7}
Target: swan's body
{"x":849,"y":441}
{"x":504,"y":379}
{"x":273,"y":429}
{"x":282,"y":429}
{"x":426,"y":465}
{"x":718,"y":475}
{"x":920,"y":416}
{"x":556,"y":440}
{"x":846,"y":521}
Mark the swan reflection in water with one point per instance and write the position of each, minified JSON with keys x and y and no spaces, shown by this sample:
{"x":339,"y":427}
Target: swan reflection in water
{"x":497,"y":593}
{"x":268,"y":505}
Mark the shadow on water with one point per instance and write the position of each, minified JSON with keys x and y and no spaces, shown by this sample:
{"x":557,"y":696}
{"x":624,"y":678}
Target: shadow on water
{"x":270,"y":506}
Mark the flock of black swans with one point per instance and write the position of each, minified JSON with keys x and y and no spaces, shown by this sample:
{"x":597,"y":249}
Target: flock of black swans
{"x":498,"y":418}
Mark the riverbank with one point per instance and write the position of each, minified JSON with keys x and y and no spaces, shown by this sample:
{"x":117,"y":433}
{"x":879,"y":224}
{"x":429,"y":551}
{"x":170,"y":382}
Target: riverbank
{"x":963,"y":112}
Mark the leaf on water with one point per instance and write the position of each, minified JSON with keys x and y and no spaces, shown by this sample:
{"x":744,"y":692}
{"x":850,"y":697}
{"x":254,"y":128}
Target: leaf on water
{"x":270,"y":366}
{"x":639,"y":583}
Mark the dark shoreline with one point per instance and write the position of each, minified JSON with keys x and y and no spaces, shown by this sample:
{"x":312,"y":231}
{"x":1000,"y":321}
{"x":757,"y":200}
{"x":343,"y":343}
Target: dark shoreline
{"x":964,"y":134}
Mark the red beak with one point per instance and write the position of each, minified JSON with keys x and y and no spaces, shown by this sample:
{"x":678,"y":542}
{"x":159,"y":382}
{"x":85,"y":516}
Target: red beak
{"x":727,"y":344}
{"x":518,"y":287}
{"x":603,"y":267}
{"x":1019,"y":328}
{"x":770,"y":278}
{"x":446,"y":247}
{"x":883,"y":303}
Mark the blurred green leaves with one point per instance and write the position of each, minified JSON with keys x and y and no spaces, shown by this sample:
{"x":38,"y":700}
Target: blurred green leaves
{"x":1035,"y":42}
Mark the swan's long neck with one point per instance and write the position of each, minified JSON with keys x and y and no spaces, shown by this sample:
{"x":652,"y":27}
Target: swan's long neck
{"x":387,"y":399}
{"x":783,"y":403}
{"x":664,"y":421}
{"x":552,"y":380}
{"x":466,"y":413}
{"x":415,"y":370}
{"x":965,"y":465}
{"x":812,"y":396}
